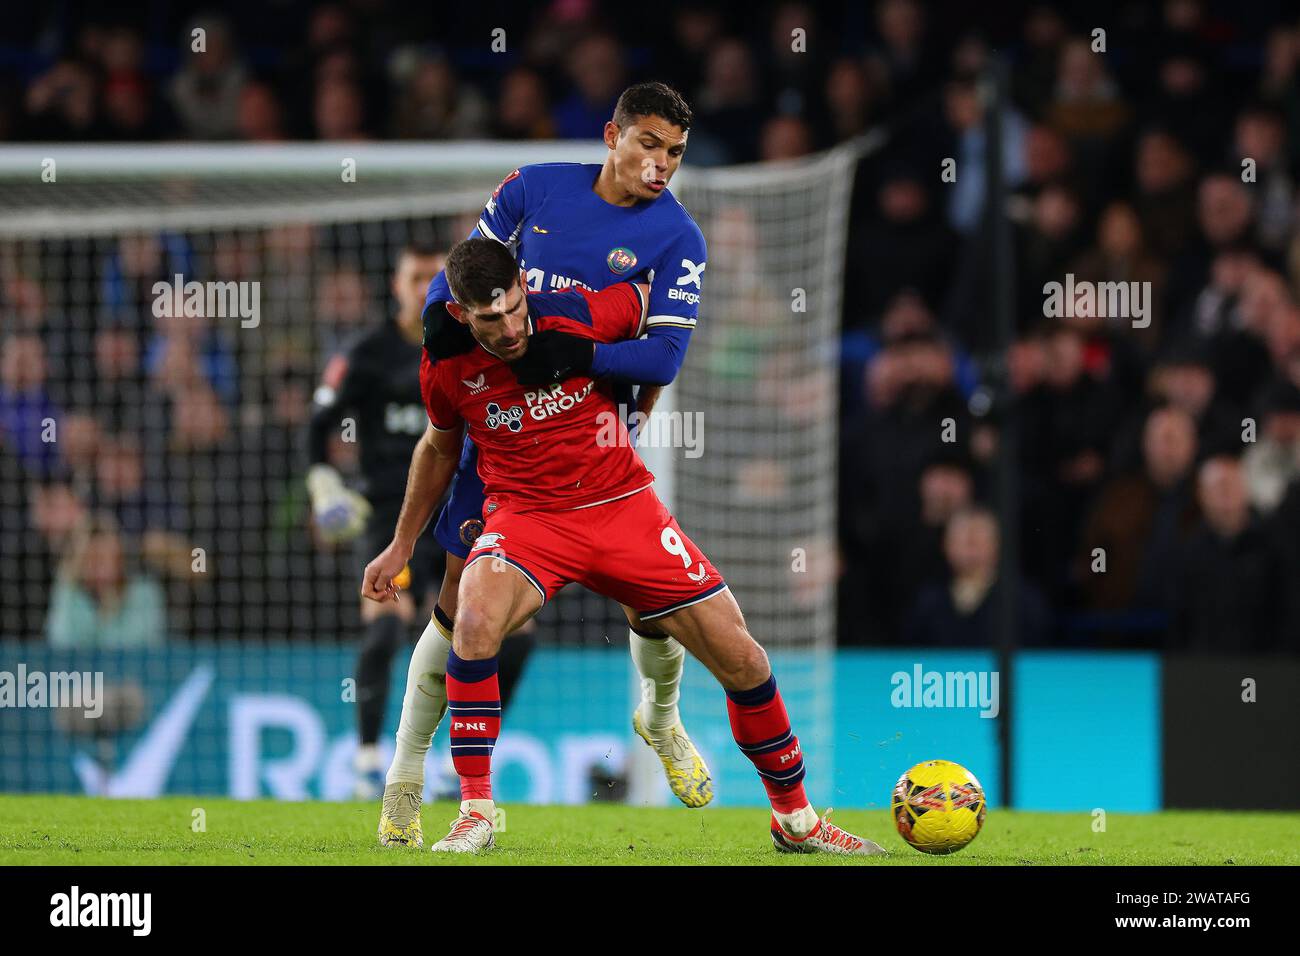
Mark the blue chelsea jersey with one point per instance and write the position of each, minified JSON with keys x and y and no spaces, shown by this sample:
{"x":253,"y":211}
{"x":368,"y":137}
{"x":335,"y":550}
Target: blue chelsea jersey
{"x":563,"y":234}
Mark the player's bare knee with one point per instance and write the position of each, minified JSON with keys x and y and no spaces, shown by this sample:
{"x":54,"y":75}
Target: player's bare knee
{"x":756,"y":668}
{"x":477,"y":634}
{"x":744,"y":664}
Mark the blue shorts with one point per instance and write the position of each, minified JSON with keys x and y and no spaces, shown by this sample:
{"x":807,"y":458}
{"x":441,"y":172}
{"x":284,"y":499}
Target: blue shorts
{"x":461,"y":520}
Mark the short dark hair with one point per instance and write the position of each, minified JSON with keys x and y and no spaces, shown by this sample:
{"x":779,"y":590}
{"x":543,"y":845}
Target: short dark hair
{"x":480,"y":269}
{"x":652,"y":99}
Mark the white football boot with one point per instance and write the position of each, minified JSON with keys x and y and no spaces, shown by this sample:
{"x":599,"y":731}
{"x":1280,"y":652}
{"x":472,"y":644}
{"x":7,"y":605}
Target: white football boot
{"x":471,"y":832}
{"x":825,"y":837}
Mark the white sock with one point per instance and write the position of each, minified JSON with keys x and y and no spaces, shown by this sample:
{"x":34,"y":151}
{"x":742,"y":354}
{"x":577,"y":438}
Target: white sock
{"x":423,"y":706}
{"x":659,"y":661}
{"x":798,"y":824}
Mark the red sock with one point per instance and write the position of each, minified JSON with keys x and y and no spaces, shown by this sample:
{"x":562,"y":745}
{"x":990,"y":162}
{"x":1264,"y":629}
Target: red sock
{"x":474,"y":702}
{"x":762,"y":730}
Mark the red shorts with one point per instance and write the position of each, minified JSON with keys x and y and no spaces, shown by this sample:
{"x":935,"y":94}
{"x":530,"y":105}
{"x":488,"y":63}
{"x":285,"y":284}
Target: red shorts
{"x":631,"y":550}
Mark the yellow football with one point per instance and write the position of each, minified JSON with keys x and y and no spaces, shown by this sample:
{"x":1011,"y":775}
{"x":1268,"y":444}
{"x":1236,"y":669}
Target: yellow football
{"x":938,"y":806}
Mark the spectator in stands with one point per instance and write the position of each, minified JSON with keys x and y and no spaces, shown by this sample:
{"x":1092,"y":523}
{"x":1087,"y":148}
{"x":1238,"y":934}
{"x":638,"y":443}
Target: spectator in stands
{"x":1047,"y":158}
{"x":79,"y":439}
{"x":433,"y":104}
{"x":1051,"y":242}
{"x":595,"y":66}
{"x":697,"y":30}
{"x":189,"y":349}
{"x":37,"y":519}
{"x":28,"y":415}
{"x":135,"y":264}
{"x":98,"y":601}
{"x":61,"y":104}
{"x":339,"y":111}
{"x":906,"y":247}
{"x":784,"y":137}
{"x":261,"y":119}
{"x":1184,"y":378}
{"x":343,"y":305}
{"x":206,"y":92}
{"x":522,"y":111}
{"x":903,"y":50}
{"x":1217,"y":306}
{"x":113,"y":389}
{"x":854,"y":99}
{"x":911,"y":391}
{"x":132,"y":113}
{"x":1120,"y":255}
{"x":1223,"y":215}
{"x":1260,"y":136}
{"x":1272,"y":463}
{"x":964,"y":611}
{"x":790,"y":74}
{"x":965,"y":117}
{"x":1068,"y":416}
{"x":728,"y":107}
{"x":1045,"y":32}
{"x":1185,"y":98}
{"x":1164,"y":196}
{"x":1240,"y":354}
{"x":1140,"y":521}
{"x":1230,"y":582}
{"x":945,"y":488}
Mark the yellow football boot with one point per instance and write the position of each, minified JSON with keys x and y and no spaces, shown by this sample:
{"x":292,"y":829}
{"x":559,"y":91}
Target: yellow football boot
{"x":688,"y":774}
{"x":399,"y":823}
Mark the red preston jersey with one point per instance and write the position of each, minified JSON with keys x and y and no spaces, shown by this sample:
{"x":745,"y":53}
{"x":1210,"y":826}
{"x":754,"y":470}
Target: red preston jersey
{"x":557,"y":446}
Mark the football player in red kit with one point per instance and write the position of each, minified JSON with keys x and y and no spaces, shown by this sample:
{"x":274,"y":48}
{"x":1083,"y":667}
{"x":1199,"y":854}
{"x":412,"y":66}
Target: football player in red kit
{"x":568,"y":500}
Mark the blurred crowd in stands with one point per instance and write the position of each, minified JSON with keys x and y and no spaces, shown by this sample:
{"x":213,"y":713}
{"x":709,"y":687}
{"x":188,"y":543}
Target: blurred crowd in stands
{"x":1158,"y":453}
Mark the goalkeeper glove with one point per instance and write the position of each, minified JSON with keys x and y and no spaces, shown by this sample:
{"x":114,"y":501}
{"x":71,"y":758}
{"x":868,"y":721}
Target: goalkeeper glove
{"x":339,"y":512}
{"x":553,"y":356}
{"x":444,"y":337}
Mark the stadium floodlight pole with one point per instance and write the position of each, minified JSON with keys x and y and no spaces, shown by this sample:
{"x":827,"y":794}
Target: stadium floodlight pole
{"x":1003,"y":309}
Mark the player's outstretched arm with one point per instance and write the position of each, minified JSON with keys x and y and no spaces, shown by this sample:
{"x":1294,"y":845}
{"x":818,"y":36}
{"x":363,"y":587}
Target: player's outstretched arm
{"x":433,"y":463}
{"x":654,"y":360}
{"x":616,"y":316}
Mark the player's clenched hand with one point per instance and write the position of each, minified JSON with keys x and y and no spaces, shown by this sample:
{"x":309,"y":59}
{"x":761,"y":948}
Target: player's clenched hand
{"x":377,"y":584}
{"x":553,"y":356}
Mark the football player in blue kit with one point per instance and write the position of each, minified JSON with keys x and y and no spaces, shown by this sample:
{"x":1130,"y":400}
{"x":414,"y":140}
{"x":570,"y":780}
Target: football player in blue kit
{"x":589,"y":225}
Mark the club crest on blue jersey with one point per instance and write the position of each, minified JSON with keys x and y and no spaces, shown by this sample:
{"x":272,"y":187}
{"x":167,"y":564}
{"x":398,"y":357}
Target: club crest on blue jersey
{"x":621,"y":259}
{"x":470,"y":529}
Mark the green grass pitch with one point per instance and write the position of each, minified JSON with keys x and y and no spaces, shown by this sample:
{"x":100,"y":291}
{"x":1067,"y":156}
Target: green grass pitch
{"x":83,"y":830}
